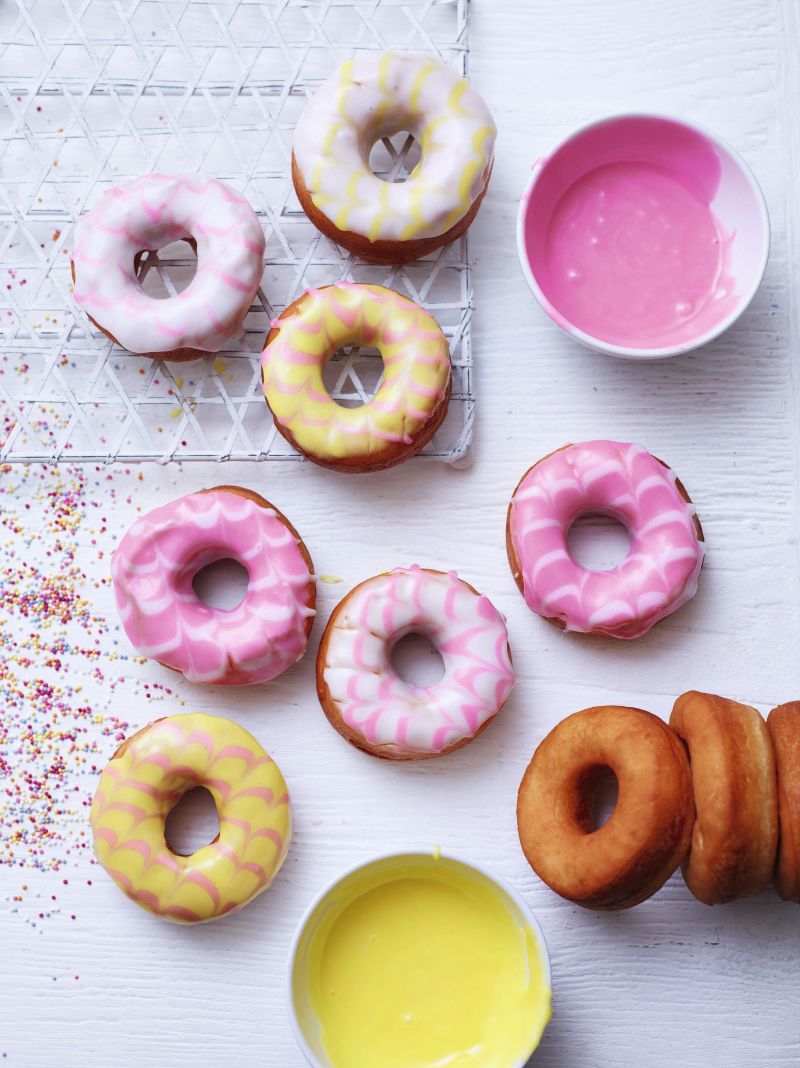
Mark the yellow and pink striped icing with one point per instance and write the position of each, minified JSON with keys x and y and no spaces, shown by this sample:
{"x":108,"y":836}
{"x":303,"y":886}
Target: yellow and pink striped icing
{"x":374,"y":96}
{"x":415,"y":381}
{"x":149,"y":213}
{"x":153,"y":568}
{"x":470,"y":635}
{"x":148,"y":776}
{"x":659,"y":573}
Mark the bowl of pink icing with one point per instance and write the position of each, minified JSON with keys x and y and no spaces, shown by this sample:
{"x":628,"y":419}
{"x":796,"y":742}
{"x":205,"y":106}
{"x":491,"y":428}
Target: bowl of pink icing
{"x":643,"y":236}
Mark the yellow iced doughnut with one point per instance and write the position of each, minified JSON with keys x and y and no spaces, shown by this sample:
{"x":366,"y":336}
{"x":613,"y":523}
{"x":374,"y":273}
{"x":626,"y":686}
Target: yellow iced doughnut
{"x":145,"y":778}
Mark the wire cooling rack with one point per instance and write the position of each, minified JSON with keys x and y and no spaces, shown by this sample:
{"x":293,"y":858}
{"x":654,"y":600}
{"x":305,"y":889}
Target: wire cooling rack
{"x":96,"y":92}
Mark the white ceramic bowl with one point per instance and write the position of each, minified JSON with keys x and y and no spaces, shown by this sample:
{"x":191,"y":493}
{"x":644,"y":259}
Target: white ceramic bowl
{"x":738,"y":205}
{"x":304,"y":1021}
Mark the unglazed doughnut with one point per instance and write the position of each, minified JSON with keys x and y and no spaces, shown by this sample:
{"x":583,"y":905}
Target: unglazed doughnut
{"x":660,"y":571}
{"x":152,"y":212}
{"x":371,"y":706}
{"x":407,"y":408}
{"x":783,"y":724}
{"x":145,"y":779}
{"x":735,"y":792}
{"x":644,"y":840}
{"x":153,"y":567}
{"x":375,"y":96}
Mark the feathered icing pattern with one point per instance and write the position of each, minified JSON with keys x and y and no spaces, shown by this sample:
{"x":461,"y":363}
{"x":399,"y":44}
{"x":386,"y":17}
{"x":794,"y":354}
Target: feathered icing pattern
{"x":661,"y":570}
{"x":151,"y":212}
{"x":369,"y":97}
{"x":137,"y":790}
{"x":152,"y":570}
{"x":416,"y":373}
{"x":470,"y":635}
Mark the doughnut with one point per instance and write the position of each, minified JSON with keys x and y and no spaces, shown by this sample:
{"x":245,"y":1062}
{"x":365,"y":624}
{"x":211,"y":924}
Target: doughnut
{"x":661,"y":569}
{"x":376,"y":96}
{"x":371,"y":706}
{"x":735,"y":834}
{"x":152,"y":571}
{"x":644,"y":840}
{"x":147,"y":214}
{"x":148,"y":775}
{"x":783,"y":724}
{"x":413,"y":395}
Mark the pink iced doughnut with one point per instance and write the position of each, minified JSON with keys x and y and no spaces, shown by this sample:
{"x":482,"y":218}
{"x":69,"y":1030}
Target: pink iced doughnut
{"x":152,"y":212}
{"x":376,"y":710}
{"x":155,"y":563}
{"x":661,"y":569}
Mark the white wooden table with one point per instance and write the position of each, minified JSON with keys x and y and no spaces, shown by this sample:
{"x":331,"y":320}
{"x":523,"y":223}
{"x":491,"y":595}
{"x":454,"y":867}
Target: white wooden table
{"x":671,"y":982}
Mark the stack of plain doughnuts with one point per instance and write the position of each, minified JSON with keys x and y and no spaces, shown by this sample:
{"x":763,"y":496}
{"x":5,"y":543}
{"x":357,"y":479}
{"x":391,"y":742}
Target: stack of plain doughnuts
{"x":716,"y":791}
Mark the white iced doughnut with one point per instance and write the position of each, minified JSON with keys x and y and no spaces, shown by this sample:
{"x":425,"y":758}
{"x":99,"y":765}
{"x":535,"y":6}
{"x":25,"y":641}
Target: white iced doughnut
{"x":375,"y":96}
{"x":152,"y":212}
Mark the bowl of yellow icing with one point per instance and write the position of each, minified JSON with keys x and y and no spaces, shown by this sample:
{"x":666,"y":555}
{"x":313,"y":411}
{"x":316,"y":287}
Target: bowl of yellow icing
{"x":419,"y":960}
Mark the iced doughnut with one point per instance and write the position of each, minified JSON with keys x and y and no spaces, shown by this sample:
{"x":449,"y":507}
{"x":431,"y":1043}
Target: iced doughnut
{"x":411,"y":400}
{"x":153,"y":568}
{"x":376,"y":96}
{"x":735,"y":834}
{"x":646,"y":836}
{"x":148,"y":214}
{"x":376,"y":710}
{"x":659,"y":573}
{"x":146,"y":778}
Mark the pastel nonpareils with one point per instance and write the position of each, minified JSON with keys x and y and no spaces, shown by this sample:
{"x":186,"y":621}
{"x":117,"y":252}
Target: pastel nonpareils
{"x":375,"y":95}
{"x":152,"y":212}
{"x":155,"y":563}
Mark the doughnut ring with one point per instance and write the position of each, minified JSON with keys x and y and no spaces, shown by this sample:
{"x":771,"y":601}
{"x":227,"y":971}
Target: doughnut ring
{"x":152,"y":571}
{"x":410,"y":403}
{"x":147,"y":214}
{"x":644,"y":840}
{"x":661,"y":569}
{"x":377,"y":711}
{"x":376,"y":96}
{"x":735,"y":835}
{"x":144,"y":780}
{"x":783,"y":724}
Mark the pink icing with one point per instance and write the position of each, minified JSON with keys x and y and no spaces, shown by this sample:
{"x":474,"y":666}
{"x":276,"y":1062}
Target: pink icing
{"x":472,"y":640}
{"x":661,"y":570}
{"x":623,"y":240}
{"x":153,"y":568}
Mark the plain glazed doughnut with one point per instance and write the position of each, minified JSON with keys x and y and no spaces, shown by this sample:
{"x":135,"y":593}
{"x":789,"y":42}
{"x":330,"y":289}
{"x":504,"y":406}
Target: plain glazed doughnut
{"x":783,"y":724}
{"x":376,"y":96}
{"x":412,"y":398}
{"x":377,"y":711}
{"x":735,"y":835}
{"x":660,"y":571}
{"x":145,"y":779}
{"x":644,"y":840}
{"x":155,"y":563}
{"x":152,"y":212}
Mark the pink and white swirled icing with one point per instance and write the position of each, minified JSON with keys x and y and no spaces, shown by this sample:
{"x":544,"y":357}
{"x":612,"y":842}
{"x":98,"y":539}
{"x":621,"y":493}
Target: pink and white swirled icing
{"x":470,"y":635}
{"x":661,"y":569}
{"x":155,"y":563}
{"x":145,"y":780}
{"x":149,"y":213}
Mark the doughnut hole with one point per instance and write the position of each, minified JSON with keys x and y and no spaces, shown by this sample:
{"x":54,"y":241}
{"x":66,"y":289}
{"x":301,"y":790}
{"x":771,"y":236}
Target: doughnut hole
{"x":596,"y":796}
{"x":221,"y":584}
{"x":168,"y":271}
{"x":393,"y":158}
{"x":598,"y":542}
{"x":416,"y":660}
{"x":353,"y":374}
{"x":192,"y":822}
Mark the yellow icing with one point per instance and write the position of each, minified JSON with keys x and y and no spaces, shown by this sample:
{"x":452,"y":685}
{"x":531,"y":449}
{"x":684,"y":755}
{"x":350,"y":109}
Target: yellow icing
{"x":423,"y":967}
{"x":415,"y":378}
{"x":138,"y":789}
